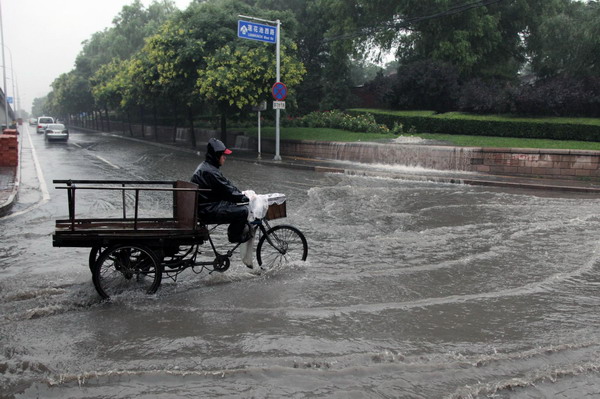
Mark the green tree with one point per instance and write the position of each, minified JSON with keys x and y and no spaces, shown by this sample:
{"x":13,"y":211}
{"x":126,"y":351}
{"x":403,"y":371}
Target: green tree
{"x":200,"y":59}
{"x":242,"y":77}
{"x":566,"y":40}
{"x":38,"y":106}
{"x":70,"y":95}
{"x":176,"y":52}
{"x":130,"y":28}
{"x":127,"y":36}
{"x":328,"y":62}
{"x":106,"y":88}
{"x":478,"y":39}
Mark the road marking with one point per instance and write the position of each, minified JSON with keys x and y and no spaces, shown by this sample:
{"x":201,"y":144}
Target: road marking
{"x":106,"y":161}
{"x":38,"y":169}
{"x":100,"y":158}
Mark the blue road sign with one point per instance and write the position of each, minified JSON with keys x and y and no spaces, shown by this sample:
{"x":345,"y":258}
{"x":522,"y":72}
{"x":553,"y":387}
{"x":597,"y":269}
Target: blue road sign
{"x":254,"y":31}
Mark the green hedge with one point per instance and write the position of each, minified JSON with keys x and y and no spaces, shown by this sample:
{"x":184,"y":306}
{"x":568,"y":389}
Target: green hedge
{"x":584,"y":129}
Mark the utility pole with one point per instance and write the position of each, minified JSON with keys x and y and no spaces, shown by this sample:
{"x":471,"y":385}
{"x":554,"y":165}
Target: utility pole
{"x":13,"y":81}
{"x":4,"y":65}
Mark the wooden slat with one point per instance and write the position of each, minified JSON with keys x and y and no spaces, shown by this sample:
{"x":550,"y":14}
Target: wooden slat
{"x":186,"y":203}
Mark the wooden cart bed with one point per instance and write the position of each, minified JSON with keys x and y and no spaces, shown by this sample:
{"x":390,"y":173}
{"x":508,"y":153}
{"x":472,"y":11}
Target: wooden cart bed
{"x":182,"y":228}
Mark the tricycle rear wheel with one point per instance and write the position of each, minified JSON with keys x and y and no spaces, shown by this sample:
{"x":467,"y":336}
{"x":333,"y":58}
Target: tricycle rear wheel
{"x":126,"y":268}
{"x":94,"y":253}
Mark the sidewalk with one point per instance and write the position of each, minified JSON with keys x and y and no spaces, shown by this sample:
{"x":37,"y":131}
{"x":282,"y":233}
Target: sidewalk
{"x":9,"y":187}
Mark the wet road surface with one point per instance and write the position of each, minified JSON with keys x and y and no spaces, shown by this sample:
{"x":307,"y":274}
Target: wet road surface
{"x":411,"y":289}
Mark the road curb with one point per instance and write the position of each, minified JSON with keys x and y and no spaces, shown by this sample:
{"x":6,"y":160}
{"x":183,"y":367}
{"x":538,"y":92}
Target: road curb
{"x":5,"y":208}
{"x":14,"y":192}
{"x":291,"y":163}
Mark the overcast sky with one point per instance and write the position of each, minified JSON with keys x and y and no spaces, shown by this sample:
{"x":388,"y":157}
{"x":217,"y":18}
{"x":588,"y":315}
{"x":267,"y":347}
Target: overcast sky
{"x":45,"y":36}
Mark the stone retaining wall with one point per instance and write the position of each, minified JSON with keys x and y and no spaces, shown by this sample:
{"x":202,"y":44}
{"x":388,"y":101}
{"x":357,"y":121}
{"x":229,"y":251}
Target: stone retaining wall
{"x":563,"y":164}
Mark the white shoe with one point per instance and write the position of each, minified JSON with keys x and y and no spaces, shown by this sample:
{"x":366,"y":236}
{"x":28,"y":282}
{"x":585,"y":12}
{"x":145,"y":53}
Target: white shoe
{"x":256,"y":271}
{"x":246,"y":250}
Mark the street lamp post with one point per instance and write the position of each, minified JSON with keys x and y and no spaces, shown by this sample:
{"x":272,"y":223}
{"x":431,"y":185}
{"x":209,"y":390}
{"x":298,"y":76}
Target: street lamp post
{"x":13,"y":82}
{"x":4,"y":64}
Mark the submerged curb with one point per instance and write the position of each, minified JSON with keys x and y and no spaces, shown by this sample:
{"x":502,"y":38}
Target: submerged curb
{"x":457,"y":180}
{"x":329,"y":166}
{"x":12,"y":197}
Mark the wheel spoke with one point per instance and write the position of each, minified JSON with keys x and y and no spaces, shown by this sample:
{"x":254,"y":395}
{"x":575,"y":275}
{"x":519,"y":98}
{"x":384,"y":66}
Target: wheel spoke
{"x":287,"y":244}
{"x":126,"y":268}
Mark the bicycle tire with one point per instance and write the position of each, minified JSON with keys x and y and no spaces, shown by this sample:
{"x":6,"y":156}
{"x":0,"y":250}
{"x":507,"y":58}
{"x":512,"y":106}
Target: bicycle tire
{"x":291,"y":247}
{"x":126,"y":267}
{"x":94,"y":253}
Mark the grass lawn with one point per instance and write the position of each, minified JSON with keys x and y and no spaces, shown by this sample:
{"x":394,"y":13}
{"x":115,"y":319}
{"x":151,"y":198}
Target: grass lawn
{"x":323,"y":134}
{"x":507,"y":118}
{"x":510,"y":142}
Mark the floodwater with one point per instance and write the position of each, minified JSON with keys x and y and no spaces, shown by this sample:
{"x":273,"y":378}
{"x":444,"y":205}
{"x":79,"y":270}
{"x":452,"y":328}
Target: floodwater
{"x":410,"y":290}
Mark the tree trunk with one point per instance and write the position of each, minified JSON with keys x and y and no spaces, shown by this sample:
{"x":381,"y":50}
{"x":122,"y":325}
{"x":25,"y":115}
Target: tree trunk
{"x":191,"y":120}
{"x":155,"y":122}
{"x":142,"y":120}
{"x":224,"y":124}
{"x":98,"y":116}
{"x":174,"y":122}
{"x":107,"y":119}
{"x":129,"y":123}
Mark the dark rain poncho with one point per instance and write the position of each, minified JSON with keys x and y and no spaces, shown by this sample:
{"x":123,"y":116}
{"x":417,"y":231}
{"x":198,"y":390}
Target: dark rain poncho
{"x":220,"y":204}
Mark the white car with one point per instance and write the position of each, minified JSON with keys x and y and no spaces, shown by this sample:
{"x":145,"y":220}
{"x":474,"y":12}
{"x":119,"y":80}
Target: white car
{"x":56,"y":131}
{"x":42,"y":122}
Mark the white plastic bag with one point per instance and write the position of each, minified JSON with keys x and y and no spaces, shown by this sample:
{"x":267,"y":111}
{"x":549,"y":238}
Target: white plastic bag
{"x":259,"y":204}
{"x":257,"y":209}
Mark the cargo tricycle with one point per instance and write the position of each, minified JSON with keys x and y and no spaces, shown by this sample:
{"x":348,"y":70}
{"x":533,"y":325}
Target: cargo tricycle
{"x":134,"y":252}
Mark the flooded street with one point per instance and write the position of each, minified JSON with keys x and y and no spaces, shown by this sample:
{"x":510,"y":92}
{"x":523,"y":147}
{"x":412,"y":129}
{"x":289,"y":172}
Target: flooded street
{"x":411,"y":290}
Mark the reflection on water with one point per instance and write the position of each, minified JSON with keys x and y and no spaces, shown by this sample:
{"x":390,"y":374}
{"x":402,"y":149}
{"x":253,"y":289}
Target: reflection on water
{"x":410,"y":290}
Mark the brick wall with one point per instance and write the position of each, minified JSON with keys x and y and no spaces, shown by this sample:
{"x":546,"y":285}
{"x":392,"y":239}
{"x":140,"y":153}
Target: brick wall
{"x":562,"y":164}
{"x":9,"y":150}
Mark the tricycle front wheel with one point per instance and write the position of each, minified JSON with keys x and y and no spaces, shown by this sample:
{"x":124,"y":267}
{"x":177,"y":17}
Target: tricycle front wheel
{"x":281,"y":245}
{"x":126,"y":267}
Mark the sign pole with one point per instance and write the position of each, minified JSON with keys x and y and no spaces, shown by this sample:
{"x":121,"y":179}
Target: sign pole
{"x":264,"y":33}
{"x":259,"y":135}
{"x":278,"y":111}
